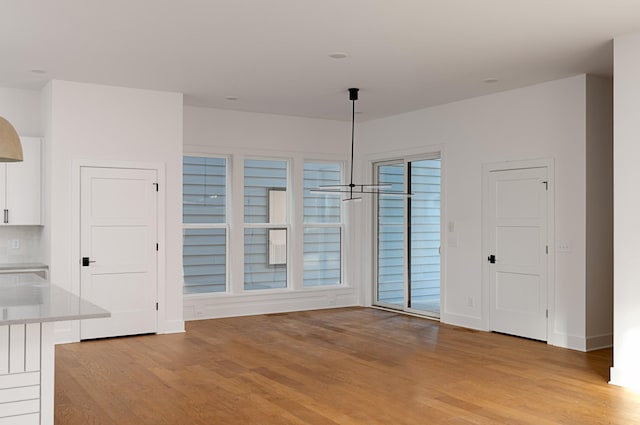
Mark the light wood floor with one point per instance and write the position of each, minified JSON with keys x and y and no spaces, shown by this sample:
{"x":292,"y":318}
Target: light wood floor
{"x":342,"y":366}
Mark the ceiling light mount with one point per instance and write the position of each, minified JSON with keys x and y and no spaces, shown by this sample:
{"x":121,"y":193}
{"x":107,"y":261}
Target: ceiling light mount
{"x":357,"y":188}
{"x":338,"y":55}
{"x":353,"y":95}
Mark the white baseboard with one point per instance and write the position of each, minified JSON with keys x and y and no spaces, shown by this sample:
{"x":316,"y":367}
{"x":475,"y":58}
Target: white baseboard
{"x":171,"y":327}
{"x":225,"y":305}
{"x":598,"y":342}
{"x":580,"y":343}
{"x":625,"y":377}
{"x":571,"y":342}
{"x":464,"y":321}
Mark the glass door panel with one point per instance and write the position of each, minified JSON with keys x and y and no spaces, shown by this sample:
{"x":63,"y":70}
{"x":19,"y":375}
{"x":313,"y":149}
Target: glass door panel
{"x":424,"y":237}
{"x":391,"y":237}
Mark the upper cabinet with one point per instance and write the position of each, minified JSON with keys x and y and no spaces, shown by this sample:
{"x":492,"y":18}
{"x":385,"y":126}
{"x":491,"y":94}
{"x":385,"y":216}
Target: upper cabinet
{"x":21,"y":187}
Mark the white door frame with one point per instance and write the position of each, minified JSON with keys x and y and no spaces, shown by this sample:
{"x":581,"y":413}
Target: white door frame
{"x":486,"y":271}
{"x":159,"y":168}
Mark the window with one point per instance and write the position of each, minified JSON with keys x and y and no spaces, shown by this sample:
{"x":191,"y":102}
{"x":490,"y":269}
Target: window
{"x":322,"y":225}
{"x":266,"y":218}
{"x":204,"y":216}
{"x":264,"y":227}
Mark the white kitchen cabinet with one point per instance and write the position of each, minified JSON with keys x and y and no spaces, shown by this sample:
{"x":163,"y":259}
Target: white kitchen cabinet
{"x":21,"y":186}
{"x":21,"y":374}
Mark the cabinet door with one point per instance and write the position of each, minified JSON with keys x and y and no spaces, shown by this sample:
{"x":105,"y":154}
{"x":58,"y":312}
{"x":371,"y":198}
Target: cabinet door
{"x":3,"y":190}
{"x":24,"y":185}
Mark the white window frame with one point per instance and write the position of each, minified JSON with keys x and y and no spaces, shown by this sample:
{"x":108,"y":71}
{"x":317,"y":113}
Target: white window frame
{"x":225,"y":225}
{"x":340,"y":225}
{"x":291,"y":267}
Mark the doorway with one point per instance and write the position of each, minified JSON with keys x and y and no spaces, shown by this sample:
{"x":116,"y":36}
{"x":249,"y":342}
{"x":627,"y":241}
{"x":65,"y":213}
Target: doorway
{"x":407,"y":236}
{"x":118,"y":246}
{"x":517,"y":222}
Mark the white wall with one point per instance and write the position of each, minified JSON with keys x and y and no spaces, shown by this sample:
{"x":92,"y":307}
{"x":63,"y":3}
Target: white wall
{"x":541,"y":121}
{"x":242,"y":134}
{"x":22,"y":109}
{"x":626,"y":368}
{"x":85,"y":122}
{"x":224,"y":129}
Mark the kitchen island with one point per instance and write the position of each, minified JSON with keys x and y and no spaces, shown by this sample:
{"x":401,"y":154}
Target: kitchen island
{"x":29,"y":308}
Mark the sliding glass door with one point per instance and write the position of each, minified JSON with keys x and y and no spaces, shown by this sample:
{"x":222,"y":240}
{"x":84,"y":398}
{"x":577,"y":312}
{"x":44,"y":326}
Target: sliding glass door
{"x":407,"y":255}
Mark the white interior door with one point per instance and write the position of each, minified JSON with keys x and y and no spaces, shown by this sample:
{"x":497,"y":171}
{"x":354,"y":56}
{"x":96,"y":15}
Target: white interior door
{"x":118,"y":245}
{"x":517,"y":209}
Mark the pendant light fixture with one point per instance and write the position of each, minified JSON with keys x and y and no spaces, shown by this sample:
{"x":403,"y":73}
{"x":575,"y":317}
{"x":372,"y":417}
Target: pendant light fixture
{"x":10,"y":146}
{"x":358,"y":188}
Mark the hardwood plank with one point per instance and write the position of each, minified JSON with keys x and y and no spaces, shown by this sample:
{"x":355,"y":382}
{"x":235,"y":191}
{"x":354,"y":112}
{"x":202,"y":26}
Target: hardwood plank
{"x":341,"y":366}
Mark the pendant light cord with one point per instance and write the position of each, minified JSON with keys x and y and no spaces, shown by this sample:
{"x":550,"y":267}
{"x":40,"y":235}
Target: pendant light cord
{"x":353,"y":124}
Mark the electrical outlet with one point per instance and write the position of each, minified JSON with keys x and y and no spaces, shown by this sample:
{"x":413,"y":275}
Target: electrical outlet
{"x":331,"y":299}
{"x":15,"y":243}
{"x":469,"y":301}
{"x":199,"y":313}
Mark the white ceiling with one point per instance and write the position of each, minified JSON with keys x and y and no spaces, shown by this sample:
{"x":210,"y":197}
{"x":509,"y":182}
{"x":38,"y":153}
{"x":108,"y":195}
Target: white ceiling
{"x":273,"y":54}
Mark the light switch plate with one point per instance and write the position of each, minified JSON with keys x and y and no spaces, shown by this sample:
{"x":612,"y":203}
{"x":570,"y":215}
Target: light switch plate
{"x":563,"y":246}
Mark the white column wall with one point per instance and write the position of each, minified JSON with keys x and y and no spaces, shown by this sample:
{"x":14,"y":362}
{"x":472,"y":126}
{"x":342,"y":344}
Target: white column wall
{"x":541,"y":121}
{"x":85,"y":122}
{"x":626,"y":300}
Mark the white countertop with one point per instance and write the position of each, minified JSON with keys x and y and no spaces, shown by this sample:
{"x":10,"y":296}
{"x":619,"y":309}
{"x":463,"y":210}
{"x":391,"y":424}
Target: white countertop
{"x":28,"y":298}
{"x":22,"y":266}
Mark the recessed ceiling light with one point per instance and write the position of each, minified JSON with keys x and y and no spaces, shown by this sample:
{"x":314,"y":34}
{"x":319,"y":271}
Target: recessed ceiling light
{"x":231,"y":97}
{"x":338,"y":55}
{"x":490,"y":80}
{"x":38,"y":71}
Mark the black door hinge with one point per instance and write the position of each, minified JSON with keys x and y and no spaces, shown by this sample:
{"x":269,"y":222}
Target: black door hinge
{"x":157,"y":247}
{"x":157,"y":185}
{"x":546,"y":185}
{"x":156,"y":306}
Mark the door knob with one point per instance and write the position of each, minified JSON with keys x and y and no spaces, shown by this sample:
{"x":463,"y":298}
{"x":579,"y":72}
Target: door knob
{"x":492,"y":259}
{"x":86,"y":261}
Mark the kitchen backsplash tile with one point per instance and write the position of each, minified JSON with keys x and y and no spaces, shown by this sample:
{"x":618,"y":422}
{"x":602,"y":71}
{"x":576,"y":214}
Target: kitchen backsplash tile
{"x":21,"y":244}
